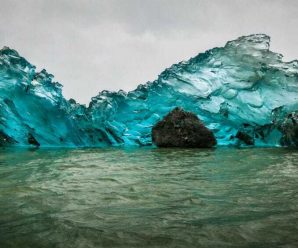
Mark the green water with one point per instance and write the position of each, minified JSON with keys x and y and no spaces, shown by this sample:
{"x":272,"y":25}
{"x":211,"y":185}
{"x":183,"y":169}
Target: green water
{"x":148,"y":198}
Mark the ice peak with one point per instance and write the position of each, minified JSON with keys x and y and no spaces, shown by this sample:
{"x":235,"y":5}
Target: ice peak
{"x":256,"y":41}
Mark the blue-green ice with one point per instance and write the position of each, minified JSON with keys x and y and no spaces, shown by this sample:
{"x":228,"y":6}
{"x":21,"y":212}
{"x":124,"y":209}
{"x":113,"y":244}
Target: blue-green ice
{"x":241,"y":87}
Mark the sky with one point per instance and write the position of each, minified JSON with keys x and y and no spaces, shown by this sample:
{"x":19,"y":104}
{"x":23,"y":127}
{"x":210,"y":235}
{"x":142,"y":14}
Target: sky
{"x":93,"y":45}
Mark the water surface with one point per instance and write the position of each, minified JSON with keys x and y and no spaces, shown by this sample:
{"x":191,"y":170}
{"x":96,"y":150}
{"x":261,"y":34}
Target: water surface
{"x":148,"y":198}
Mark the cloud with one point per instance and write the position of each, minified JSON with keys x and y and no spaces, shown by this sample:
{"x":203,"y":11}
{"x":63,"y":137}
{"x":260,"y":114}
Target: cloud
{"x":91,"y":45}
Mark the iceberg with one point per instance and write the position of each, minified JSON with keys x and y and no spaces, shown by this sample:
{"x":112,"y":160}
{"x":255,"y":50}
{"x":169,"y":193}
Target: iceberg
{"x":243,"y":92}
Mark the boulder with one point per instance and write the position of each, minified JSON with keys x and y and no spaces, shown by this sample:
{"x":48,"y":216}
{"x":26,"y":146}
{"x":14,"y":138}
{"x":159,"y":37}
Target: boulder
{"x":182,"y":129}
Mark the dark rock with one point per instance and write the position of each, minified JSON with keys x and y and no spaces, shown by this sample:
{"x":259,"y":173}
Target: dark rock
{"x":182,"y":129}
{"x":32,"y":140}
{"x":6,"y":140}
{"x":289,"y":129}
{"x":246,"y":138}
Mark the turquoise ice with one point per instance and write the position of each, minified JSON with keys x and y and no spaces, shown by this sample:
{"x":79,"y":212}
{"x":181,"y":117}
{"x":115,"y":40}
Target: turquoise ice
{"x":242,"y":87}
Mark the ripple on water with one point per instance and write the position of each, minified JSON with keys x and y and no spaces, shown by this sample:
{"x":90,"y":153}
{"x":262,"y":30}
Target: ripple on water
{"x":148,"y":198}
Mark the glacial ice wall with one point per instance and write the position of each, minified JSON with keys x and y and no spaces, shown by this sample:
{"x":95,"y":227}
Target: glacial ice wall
{"x":241,"y":88}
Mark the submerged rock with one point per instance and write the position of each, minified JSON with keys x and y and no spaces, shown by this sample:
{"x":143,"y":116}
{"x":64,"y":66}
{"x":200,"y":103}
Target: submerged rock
{"x":182,"y":129}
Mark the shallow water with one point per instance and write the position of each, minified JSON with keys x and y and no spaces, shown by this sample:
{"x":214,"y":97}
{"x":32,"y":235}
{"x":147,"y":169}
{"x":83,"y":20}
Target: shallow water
{"x":148,"y":198}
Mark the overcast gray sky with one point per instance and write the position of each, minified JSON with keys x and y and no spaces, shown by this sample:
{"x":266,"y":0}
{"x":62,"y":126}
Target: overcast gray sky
{"x":92,"y":45}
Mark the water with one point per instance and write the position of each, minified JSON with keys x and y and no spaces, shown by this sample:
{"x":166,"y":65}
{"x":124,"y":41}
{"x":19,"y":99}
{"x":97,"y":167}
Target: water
{"x":148,"y":198}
